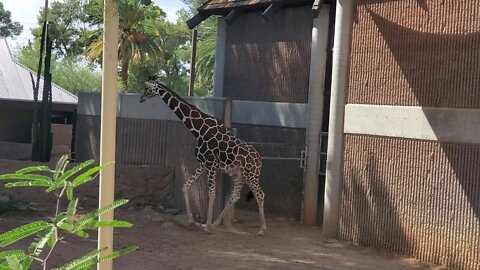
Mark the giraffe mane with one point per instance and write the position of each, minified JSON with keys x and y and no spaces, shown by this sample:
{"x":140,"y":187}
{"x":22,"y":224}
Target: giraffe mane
{"x":181,"y":99}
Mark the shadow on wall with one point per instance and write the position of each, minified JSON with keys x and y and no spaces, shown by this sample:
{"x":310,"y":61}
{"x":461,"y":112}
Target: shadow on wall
{"x":370,"y":198}
{"x":449,"y":66}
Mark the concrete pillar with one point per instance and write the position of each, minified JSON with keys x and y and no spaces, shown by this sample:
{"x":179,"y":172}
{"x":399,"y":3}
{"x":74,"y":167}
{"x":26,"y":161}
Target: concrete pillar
{"x":220,"y":54}
{"x":334,"y":172}
{"x":315,"y":110}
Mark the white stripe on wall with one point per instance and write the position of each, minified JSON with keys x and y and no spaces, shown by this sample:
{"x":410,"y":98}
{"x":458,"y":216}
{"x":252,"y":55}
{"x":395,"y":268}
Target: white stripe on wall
{"x":453,"y":125}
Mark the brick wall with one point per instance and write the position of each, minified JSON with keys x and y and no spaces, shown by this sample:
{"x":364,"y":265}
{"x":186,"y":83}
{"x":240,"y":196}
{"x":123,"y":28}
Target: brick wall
{"x":420,"y":198}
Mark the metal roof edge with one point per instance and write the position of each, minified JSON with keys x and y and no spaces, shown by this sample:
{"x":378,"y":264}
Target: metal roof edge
{"x":53,"y":84}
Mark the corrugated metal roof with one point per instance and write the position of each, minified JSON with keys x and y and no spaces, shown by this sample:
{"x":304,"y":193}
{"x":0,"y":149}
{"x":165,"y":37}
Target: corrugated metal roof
{"x":229,"y":4}
{"x":214,"y":4}
{"x":16,"y":82}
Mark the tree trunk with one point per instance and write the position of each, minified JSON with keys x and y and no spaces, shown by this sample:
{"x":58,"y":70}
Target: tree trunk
{"x":124,"y":73}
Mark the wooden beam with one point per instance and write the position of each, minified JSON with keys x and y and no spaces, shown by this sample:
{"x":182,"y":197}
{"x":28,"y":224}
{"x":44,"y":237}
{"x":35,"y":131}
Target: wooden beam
{"x":232,"y":16}
{"x":193,"y":60}
{"x":317,"y":6}
{"x":270,"y":11}
{"x":197,"y":19}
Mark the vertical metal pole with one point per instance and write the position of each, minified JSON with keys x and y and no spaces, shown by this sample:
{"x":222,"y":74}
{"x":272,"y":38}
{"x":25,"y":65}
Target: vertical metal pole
{"x":334,"y":172}
{"x":227,"y":181}
{"x":108,"y":124}
{"x":220,"y":55}
{"x":193,"y":60}
{"x":315,"y":107}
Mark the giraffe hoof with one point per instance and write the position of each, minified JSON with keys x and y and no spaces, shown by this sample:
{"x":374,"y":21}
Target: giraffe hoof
{"x":235,"y":231}
{"x":207,"y":229}
{"x":261,"y":232}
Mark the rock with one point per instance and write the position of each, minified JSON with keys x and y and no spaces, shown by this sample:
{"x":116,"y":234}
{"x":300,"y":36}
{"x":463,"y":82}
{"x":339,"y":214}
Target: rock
{"x":172,"y":211}
{"x":152,"y":214}
{"x":21,"y":206}
{"x":182,"y":220}
{"x":4,"y":199}
{"x":167,"y":225}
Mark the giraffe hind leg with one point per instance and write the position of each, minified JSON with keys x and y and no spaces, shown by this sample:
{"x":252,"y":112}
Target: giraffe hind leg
{"x":211,"y":196}
{"x":259,"y":195}
{"x":186,"y":188}
{"x":234,"y":197}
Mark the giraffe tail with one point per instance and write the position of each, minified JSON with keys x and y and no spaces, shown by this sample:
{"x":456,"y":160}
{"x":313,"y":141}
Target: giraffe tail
{"x":249,"y":196}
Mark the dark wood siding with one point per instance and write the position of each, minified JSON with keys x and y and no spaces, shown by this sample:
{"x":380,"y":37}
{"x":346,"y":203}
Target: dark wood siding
{"x":269,"y":61}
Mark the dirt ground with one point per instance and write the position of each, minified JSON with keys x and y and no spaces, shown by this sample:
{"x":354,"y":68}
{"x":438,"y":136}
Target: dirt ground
{"x":165,"y":244}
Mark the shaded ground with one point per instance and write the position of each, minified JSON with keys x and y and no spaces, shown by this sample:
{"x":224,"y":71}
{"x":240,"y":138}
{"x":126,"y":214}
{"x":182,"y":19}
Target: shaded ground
{"x":165,"y":244}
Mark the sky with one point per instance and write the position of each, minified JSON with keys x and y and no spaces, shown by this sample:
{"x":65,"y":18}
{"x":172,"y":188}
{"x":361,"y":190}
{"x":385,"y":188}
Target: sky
{"x":26,"y":11}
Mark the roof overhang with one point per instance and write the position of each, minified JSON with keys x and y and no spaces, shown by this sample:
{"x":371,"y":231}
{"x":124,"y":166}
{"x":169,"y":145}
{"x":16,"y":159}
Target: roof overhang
{"x":231,"y":9}
{"x":29,"y":105}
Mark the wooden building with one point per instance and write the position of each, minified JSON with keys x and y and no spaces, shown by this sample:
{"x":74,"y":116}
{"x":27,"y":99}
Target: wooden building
{"x":403,"y":148}
{"x":16,"y":110}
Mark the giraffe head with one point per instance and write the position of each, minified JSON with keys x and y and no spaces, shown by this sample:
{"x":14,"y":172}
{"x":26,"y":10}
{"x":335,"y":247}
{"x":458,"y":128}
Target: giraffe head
{"x":153,"y":88}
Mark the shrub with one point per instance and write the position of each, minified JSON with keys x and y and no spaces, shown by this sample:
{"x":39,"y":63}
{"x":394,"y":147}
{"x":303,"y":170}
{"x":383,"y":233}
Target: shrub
{"x":49,"y":234}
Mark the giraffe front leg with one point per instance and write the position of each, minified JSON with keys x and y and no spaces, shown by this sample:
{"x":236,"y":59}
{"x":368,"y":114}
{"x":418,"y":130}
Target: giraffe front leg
{"x":211,"y":197}
{"x":186,"y":188}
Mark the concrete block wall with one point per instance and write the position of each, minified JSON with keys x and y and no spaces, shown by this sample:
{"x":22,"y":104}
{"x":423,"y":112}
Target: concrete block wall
{"x":414,"y":191}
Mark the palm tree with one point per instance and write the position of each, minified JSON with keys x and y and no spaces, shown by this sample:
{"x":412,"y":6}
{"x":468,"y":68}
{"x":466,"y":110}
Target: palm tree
{"x":139,"y":33}
{"x":206,"y":57}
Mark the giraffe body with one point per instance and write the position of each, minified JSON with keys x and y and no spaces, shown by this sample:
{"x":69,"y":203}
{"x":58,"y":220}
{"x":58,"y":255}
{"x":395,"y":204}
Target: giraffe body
{"x":217,"y":150}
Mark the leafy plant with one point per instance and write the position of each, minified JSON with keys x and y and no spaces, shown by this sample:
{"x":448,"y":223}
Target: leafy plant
{"x":49,"y":234}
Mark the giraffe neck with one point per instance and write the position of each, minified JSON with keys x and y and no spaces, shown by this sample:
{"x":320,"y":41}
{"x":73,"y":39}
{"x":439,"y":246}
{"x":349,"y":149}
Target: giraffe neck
{"x":190,"y":115}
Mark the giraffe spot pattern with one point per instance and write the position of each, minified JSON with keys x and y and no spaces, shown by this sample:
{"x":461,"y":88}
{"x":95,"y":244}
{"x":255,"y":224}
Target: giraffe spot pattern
{"x":217,"y":149}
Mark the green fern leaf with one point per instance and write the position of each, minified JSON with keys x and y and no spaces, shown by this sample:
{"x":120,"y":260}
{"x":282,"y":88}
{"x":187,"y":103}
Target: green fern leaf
{"x":61,"y":180}
{"x":70,"y":192}
{"x":52,"y":240}
{"x":27,"y":262}
{"x":109,"y":223}
{"x":40,"y":244}
{"x":61,"y":164}
{"x":64,"y":225}
{"x":83,"y":262}
{"x":88,"y":218}
{"x":31,"y":177}
{"x":33,"y":169}
{"x":14,"y":263}
{"x":4,"y":266}
{"x":21,"y":232}
{"x":16,"y":253}
{"x":118,"y":253}
{"x":71,"y":210}
{"x":34,"y":183}
{"x":87,"y":176}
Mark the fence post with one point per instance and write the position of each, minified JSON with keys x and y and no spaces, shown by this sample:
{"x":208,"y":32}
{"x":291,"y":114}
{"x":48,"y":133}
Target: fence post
{"x":227,"y":182}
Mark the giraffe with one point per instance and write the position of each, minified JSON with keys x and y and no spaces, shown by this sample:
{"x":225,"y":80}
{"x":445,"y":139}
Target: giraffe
{"x":217,"y":150}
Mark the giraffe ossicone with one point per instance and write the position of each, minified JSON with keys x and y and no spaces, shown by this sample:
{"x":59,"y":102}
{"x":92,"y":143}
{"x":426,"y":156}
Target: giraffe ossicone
{"x":217,"y":150}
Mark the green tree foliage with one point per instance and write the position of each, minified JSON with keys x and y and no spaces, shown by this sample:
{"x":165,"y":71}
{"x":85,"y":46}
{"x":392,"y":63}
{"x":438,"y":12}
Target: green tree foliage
{"x":138,"y":38}
{"x":7,"y":27}
{"x":73,"y":74}
{"x":148,"y":45}
{"x":48,"y":235}
{"x":68,"y":27}
{"x":207,"y":36}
